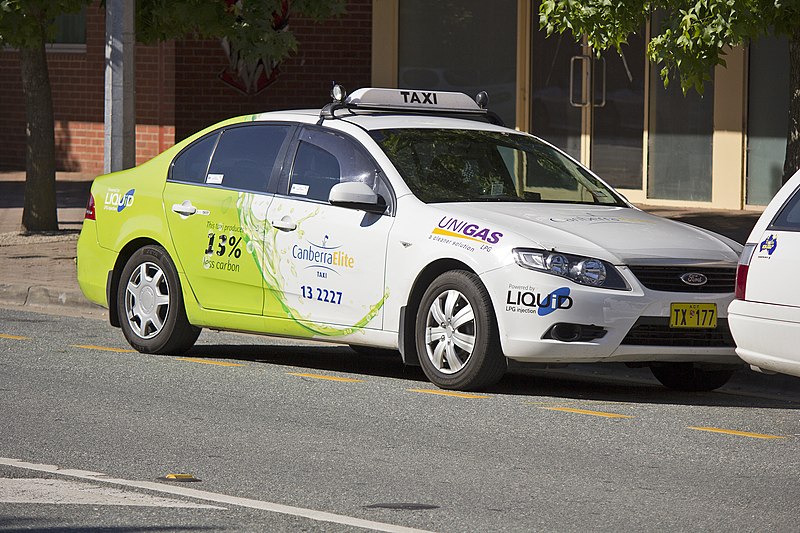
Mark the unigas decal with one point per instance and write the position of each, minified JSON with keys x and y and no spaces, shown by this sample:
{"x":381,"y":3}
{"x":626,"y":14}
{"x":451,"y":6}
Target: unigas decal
{"x":462,"y":229}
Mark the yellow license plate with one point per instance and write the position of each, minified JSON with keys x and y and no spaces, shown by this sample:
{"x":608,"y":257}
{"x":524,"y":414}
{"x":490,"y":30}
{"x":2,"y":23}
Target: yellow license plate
{"x":693,"y":315}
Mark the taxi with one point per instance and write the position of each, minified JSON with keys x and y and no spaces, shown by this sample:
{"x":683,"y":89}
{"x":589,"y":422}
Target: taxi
{"x":406,"y":220}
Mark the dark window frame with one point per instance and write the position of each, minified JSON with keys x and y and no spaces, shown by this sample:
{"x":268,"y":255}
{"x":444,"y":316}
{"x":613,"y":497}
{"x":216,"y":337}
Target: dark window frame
{"x":382,"y":184}
{"x":779,"y":223}
{"x":274,"y":175}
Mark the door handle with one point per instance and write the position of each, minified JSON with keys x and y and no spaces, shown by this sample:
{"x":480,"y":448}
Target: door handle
{"x":284,"y":224}
{"x":601,"y":102}
{"x":184,"y":209}
{"x":578,"y":64}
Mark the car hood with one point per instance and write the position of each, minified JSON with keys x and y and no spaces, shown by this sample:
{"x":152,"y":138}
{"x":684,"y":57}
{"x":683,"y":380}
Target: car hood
{"x":622,"y":235}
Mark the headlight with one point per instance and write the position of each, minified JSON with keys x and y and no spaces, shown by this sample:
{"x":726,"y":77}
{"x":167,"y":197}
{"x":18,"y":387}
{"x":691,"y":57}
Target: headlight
{"x":584,"y":270}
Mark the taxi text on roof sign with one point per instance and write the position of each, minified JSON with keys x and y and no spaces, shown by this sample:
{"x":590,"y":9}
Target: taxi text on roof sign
{"x":447,"y":101}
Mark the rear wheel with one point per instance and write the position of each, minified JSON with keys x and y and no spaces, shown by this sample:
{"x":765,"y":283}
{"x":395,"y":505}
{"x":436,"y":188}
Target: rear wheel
{"x":150,"y":304}
{"x":690,"y":377}
{"x":456,"y":334}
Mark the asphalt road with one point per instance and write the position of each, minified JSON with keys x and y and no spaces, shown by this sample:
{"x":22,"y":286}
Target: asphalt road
{"x":296,"y":436}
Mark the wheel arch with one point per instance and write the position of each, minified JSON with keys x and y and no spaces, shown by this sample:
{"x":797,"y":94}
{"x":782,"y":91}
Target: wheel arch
{"x":408,"y":349}
{"x":114,"y":276}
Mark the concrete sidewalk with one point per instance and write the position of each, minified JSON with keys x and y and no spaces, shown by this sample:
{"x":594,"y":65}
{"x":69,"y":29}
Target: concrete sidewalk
{"x":39,"y":269}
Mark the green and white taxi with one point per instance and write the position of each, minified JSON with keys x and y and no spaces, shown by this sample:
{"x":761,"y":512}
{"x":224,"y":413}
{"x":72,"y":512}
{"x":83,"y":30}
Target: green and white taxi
{"x":405,"y":220}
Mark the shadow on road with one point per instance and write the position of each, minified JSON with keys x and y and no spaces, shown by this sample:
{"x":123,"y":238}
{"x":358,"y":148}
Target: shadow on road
{"x":611,"y":382}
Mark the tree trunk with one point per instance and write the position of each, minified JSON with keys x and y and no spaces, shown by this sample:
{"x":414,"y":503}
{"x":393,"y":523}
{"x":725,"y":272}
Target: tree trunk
{"x":39,"y":212}
{"x":792,"y":162}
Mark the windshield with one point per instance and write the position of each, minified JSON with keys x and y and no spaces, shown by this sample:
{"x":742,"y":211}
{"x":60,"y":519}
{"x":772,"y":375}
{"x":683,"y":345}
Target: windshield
{"x":444,"y":165}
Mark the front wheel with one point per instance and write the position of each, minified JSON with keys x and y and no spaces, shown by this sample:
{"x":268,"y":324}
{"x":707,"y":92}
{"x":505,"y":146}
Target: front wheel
{"x":456,"y":334}
{"x":690,"y":377}
{"x":150,"y":304}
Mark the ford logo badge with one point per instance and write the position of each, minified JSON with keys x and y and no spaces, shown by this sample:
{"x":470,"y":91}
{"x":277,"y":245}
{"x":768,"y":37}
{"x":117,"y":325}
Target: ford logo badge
{"x":695,"y":279}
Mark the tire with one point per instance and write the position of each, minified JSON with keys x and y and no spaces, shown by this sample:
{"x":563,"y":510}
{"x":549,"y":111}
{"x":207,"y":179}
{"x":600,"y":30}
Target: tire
{"x":150,"y":304}
{"x":456,"y":334}
{"x":689,"y":377}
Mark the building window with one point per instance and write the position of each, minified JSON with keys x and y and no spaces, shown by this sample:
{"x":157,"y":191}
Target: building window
{"x":767,"y":118}
{"x":469,"y":49}
{"x":70,"y":33}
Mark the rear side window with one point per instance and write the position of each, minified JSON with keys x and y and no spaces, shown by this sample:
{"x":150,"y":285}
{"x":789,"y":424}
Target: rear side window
{"x":324,"y":159}
{"x":245,"y":157}
{"x":788,"y":218}
{"x":191,"y":165}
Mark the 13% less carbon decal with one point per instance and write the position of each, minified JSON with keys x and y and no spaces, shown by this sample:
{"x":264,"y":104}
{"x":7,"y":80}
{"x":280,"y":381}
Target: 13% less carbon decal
{"x":225,"y":247}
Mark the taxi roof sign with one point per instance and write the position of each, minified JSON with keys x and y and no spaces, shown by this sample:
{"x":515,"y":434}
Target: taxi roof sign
{"x":409,"y":101}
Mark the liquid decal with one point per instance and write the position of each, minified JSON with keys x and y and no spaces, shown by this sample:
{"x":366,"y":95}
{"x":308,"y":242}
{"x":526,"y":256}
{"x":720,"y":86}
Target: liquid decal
{"x":115,"y":201}
{"x":261,"y":239}
{"x":524,"y":299}
{"x":461,"y":233}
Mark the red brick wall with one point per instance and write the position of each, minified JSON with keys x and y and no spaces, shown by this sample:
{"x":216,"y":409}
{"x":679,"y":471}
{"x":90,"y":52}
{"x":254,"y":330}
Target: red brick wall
{"x":336,"y":50}
{"x":77,"y":82}
{"x":178,"y":90}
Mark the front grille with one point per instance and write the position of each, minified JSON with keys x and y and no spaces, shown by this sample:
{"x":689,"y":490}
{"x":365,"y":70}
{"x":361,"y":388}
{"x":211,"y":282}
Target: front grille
{"x":668,"y":278}
{"x":655,"y":331}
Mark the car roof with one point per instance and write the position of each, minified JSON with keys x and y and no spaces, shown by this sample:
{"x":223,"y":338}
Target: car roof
{"x":384,"y":120}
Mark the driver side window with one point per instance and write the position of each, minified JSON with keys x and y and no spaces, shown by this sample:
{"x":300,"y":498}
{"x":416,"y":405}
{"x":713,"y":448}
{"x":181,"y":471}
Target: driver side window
{"x":324,"y":159}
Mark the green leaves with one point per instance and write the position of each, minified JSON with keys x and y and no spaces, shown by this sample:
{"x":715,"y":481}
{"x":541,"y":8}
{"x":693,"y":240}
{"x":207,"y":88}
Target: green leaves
{"x":27,"y":23}
{"x":253,"y":28}
{"x":688,"y":37}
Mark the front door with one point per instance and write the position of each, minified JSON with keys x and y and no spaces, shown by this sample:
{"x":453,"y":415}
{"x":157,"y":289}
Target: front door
{"x":326,"y":263}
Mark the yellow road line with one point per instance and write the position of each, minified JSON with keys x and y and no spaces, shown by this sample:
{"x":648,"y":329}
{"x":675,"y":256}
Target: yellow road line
{"x":553,"y":403}
{"x":448,"y":393}
{"x":207,"y":362}
{"x":328,"y":378}
{"x":585,"y":412}
{"x":738,"y":433}
{"x":102,"y":348}
{"x":14,"y":337}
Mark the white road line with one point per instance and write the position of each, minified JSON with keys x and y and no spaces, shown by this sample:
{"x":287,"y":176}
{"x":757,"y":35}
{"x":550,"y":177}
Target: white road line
{"x":214,"y":497}
{"x":64,"y":492}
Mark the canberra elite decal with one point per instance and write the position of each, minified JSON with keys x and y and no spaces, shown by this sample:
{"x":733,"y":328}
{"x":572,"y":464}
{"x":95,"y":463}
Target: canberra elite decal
{"x":303,"y":273}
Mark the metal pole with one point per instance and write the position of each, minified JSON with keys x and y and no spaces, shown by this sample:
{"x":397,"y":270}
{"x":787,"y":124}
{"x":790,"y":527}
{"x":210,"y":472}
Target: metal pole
{"x":120,"y":87}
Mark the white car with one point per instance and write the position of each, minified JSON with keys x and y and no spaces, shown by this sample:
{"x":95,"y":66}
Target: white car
{"x":765,"y":316}
{"x":407,"y":220}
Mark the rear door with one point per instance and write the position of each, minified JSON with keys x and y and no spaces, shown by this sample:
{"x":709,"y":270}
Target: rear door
{"x":216,"y":201}
{"x":772,"y":276}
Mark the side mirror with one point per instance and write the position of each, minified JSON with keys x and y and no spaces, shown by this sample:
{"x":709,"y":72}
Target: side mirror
{"x":356,"y":195}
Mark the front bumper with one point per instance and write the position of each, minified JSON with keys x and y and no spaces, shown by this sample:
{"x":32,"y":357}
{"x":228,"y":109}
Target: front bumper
{"x":528,"y":304}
